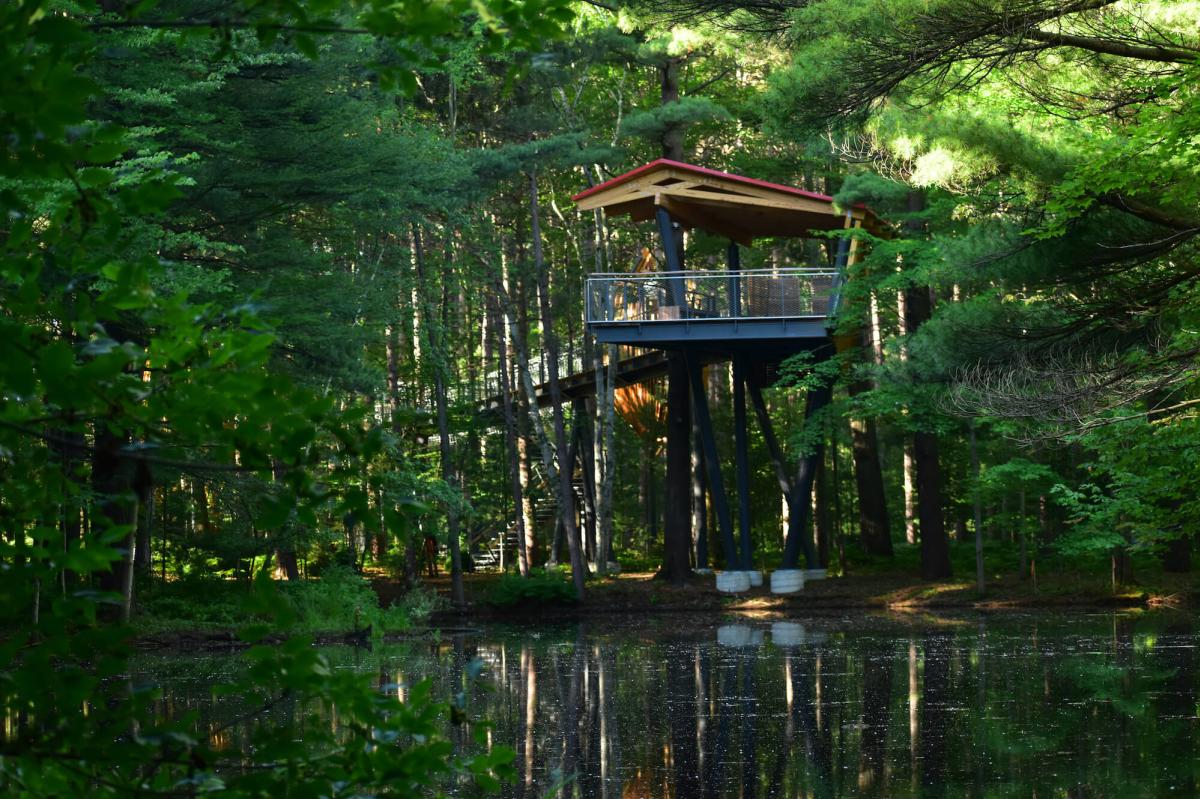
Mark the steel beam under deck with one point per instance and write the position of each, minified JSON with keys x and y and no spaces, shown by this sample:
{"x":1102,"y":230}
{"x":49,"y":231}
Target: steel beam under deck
{"x":630,"y":371}
{"x":799,"y":332}
{"x":712,"y":462}
{"x":742,"y":457}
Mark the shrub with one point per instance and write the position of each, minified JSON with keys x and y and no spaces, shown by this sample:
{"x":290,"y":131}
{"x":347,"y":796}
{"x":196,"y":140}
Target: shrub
{"x":540,"y":587}
{"x":193,"y":603}
{"x":341,"y":600}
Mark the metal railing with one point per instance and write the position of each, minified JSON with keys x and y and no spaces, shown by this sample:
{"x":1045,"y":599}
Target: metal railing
{"x":792,"y":293}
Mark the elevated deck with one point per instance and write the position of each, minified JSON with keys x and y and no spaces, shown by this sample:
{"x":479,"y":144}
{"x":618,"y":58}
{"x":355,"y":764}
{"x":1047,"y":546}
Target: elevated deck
{"x":748,"y":308}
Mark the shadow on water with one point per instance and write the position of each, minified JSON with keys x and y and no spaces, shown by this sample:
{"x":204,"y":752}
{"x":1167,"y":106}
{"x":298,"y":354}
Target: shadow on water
{"x":1022,"y":705}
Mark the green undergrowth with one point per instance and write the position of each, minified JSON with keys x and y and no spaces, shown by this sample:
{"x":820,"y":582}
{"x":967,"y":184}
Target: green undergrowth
{"x":1057,"y":574}
{"x":341,"y":600}
{"x":541,"y":587}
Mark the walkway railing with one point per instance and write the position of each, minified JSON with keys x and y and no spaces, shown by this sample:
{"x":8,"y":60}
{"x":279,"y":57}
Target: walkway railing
{"x":793,"y":293}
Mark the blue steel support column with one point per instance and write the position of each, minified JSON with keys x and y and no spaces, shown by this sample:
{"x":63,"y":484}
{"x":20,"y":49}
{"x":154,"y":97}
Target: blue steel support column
{"x":799,"y":535}
{"x":742,"y":456}
{"x":673,"y":248}
{"x":716,"y":485}
{"x":839,"y":263}
{"x":677,"y":527}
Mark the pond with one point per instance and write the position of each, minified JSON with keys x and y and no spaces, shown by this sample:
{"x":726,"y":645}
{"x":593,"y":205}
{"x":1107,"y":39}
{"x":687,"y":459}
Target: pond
{"x":1064,"y":705}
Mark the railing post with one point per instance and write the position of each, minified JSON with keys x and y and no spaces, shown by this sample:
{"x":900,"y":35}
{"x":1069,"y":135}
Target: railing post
{"x":733,"y":264}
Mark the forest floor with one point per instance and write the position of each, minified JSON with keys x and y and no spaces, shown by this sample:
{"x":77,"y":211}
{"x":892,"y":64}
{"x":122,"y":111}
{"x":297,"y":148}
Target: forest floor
{"x":641,"y":592}
{"x":894,"y":589}
{"x":203,"y":614}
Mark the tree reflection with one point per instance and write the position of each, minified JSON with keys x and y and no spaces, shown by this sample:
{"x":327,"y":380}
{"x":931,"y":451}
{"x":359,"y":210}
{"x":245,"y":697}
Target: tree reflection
{"x":1078,"y":706}
{"x":877,"y":660}
{"x":682,"y":696}
{"x":935,"y":701}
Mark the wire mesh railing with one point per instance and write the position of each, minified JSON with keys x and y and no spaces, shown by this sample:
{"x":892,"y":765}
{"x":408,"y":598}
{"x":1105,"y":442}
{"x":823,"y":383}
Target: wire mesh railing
{"x":792,"y":293}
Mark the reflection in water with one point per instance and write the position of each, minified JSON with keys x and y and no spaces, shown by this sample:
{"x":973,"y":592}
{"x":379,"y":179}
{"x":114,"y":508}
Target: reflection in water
{"x":1085,"y":706}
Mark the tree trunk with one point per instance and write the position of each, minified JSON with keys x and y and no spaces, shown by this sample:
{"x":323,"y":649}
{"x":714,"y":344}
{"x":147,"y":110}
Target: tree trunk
{"x":112,"y":486}
{"x":977,"y":507}
{"x":516,"y":461}
{"x":70,"y":448}
{"x":392,"y":354}
{"x":285,"y":553}
{"x":677,"y":533}
{"x":1177,"y":557}
{"x":821,"y":513}
{"x":144,"y":489}
{"x":585,"y":412}
{"x":874,"y":530}
{"x":604,"y":445}
{"x":935,"y":547}
{"x":1024,"y":548}
{"x":525,"y":473}
{"x":432,"y":327}
{"x":1122,"y":568}
{"x":561,"y":477}
{"x":286,"y":560}
{"x":672,"y":136}
{"x":908,"y":479}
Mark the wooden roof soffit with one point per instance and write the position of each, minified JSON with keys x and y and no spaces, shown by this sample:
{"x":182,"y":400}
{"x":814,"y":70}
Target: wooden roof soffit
{"x":733,"y":206}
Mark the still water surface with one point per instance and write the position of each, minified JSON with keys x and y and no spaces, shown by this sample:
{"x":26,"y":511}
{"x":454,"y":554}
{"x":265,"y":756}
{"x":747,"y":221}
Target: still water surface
{"x":1067,"y":705}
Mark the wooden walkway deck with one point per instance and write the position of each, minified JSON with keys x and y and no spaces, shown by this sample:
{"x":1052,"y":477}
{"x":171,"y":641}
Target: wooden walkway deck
{"x":630,"y":371}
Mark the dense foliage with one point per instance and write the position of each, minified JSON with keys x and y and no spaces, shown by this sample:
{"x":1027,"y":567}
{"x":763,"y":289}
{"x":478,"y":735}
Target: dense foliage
{"x":288,"y":289}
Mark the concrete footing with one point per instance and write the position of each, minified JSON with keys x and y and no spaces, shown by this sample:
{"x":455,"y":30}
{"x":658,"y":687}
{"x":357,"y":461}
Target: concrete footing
{"x":787,"y":581}
{"x":756,"y":578}
{"x":733,"y":582}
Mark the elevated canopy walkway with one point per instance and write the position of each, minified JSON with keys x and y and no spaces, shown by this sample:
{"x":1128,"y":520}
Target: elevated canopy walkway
{"x":672,"y":323}
{"x":752,"y":317}
{"x":633,"y":366}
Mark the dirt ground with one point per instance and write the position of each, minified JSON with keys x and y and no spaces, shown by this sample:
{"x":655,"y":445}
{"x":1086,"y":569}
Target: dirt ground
{"x":641,"y":592}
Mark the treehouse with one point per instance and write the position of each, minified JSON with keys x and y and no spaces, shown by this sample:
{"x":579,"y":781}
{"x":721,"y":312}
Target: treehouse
{"x":753,"y":318}
{"x":784,"y":309}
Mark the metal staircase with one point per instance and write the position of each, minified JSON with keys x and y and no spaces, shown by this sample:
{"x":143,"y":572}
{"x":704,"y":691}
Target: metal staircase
{"x":494,"y":547}
{"x":499,"y":549}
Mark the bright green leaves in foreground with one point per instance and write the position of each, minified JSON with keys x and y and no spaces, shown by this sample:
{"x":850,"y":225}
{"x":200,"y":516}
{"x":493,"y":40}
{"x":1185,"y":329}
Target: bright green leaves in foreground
{"x":112,"y":380}
{"x":77,"y":724}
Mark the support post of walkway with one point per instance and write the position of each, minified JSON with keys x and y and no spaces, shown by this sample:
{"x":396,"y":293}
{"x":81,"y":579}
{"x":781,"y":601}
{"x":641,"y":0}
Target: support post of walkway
{"x":673,"y":249}
{"x":716,"y":485}
{"x":733,"y":263}
{"x":699,"y":499}
{"x":798,"y":489}
{"x":677,"y":522}
{"x":799,"y":535}
{"x":742,"y":458}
